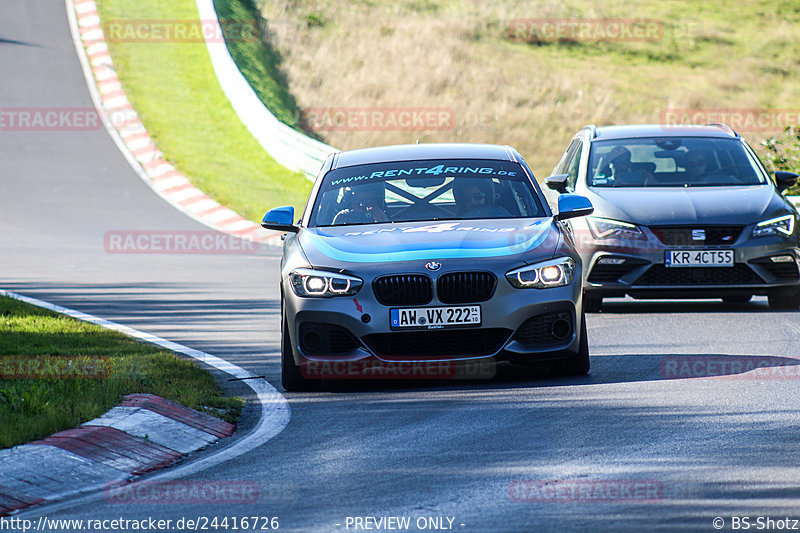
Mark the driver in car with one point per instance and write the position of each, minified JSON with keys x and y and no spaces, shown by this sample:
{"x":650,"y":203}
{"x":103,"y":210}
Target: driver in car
{"x":368,"y":205}
{"x":623,"y":172}
{"x":696,"y":164}
{"x":475,"y":199}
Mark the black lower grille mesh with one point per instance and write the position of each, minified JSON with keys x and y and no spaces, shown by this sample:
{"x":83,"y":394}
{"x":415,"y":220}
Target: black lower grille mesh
{"x":325,"y":339}
{"x":452,"y":343}
{"x":781,"y":271}
{"x":540,"y":330}
{"x":739,"y":274}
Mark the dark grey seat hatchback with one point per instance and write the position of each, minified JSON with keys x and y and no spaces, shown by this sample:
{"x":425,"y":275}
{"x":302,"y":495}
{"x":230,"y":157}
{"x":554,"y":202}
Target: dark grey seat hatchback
{"x":680,"y":212}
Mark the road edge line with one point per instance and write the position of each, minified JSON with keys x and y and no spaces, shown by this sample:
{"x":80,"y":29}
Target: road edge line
{"x":274,"y":415}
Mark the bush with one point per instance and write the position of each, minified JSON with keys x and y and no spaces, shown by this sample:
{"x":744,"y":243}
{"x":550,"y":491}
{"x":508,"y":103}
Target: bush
{"x":784,"y":153}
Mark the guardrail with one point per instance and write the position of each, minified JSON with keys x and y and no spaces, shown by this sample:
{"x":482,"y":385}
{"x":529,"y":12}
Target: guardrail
{"x":287,"y":146}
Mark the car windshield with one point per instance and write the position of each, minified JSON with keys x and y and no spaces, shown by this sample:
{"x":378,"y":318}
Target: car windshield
{"x":672,"y":162}
{"x":408,"y":191}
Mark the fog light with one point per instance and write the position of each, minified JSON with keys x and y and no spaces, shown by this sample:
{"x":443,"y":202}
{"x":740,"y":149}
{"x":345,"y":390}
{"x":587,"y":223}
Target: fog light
{"x":782,"y":259}
{"x":560,"y":329}
{"x":610,"y":261}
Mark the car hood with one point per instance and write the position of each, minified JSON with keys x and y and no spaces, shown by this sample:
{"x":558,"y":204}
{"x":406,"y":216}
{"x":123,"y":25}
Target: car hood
{"x":691,"y":205}
{"x":414,"y":241}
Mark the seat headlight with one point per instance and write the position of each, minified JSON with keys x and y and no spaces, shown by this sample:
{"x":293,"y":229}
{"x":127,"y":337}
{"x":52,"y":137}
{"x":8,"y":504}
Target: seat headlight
{"x":605,"y":228}
{"x":553,"y":273}
{"x":775,"y":226}
{"x":310,"y":283}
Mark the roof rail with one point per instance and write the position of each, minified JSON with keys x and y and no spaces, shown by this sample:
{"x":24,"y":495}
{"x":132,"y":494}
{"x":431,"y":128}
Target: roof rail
{"x":592,"y":130}
{"x":724,"y":127}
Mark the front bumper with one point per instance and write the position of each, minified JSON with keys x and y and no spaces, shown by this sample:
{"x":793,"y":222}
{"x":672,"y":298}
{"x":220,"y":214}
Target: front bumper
{"x":637,"y":268}
{"x":516,"y":324}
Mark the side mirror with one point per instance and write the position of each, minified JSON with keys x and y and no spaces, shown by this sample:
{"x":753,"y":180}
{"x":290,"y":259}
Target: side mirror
{"x":281,"y":219}
{"x":785,"y":180}
{"x":573,"y":205}
{"x":557,"y":182}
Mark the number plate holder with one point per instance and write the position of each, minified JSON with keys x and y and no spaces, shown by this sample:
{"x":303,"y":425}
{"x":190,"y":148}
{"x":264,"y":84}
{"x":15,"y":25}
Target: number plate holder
{"x":698,"y":258}
{"x":435,"y":317}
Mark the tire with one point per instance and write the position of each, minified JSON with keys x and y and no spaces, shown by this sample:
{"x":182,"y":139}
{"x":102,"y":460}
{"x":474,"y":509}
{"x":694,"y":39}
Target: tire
{"x":737,"y":299}
{"x":578,"y":364}
{"x":785,"y":300}
{"x":592,"y":304}
{"x":291,"y":377}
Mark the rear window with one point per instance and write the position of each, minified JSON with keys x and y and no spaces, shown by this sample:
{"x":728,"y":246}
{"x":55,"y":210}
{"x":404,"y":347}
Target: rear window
{"x":672,"y":162}
{"x":425,"y":190}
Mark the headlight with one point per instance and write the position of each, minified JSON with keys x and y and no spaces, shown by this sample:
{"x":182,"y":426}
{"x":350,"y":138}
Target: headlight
{"x":775,"y":226}
{"x":604,"y":228}
{"x":310,"y":283}
{"x":554,"y":273}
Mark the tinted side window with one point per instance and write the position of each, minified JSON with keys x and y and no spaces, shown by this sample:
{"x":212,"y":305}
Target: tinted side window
{"x":573,"y":164}
{"x":562,"y":164}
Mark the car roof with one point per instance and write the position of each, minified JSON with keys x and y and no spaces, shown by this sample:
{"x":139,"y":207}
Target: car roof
{"x":663,"y":130}
{"x":415,"y":152}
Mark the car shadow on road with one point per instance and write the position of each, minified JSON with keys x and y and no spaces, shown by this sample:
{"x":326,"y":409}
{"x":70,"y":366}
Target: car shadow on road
{"x":605,"y":370}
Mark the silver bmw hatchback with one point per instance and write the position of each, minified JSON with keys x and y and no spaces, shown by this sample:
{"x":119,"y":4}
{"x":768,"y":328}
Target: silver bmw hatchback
{"x":408,"y":259}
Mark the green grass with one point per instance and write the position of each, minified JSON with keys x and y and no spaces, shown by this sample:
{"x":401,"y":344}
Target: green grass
{"x":257,"y":61}
{"x":33,"y":405}
{"x":173,"y":87}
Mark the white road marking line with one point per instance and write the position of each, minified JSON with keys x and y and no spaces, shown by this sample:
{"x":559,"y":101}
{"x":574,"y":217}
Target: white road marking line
{"x":274,"y":416}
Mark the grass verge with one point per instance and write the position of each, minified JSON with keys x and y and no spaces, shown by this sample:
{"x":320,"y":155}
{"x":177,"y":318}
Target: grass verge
{"x":173,"y":87}
{"x":258,"y":62}
{"x":57,"y":372}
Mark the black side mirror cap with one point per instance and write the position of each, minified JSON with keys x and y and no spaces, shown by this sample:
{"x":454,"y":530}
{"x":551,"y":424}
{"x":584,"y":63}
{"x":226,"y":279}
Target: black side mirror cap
{"x":784,"y":179}
{"x":557,"y":182}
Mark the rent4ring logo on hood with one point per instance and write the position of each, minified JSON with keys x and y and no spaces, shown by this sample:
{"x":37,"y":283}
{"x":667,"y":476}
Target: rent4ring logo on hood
{"x":424,"y":240}
{"x":432,"y":228}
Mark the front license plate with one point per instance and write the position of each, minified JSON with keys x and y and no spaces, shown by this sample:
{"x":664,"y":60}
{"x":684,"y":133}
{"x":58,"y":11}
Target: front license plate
{"x":699,"y":258}
{"x":435,"y":317}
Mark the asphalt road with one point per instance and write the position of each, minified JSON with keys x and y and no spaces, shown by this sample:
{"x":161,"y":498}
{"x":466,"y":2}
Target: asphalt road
{"x":682,"y":451}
